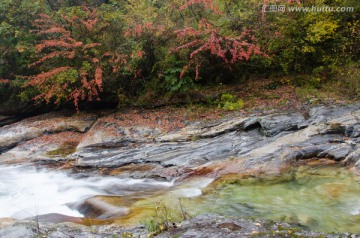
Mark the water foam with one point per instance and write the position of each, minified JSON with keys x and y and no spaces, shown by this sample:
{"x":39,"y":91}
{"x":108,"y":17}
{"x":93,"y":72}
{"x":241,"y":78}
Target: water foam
{"x":26,"y":191}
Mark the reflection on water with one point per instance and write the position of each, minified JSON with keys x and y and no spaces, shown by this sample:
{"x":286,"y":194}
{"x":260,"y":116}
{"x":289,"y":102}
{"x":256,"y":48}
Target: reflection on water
{"x":26,"y":191}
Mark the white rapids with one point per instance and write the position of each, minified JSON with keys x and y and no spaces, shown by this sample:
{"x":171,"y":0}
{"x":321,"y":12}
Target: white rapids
{"x":26,"y":191}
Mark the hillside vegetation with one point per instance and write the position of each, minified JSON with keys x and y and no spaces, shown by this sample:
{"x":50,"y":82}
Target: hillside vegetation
{"x":137,"y":52}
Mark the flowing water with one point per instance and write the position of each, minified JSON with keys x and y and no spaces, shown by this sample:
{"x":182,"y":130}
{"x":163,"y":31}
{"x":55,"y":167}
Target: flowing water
{"x":26,"y":191}
{"x":323,"y":199}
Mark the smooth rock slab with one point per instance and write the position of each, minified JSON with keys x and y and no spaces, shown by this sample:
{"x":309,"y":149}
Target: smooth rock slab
{"x":33,"y":127}
{"x":109,"y":131}
{"x":274,"y":124}
{"x":45,"y":148}
{"x":173,"y":154}
{"x":270,"y":126}
{"x":275,"y":141}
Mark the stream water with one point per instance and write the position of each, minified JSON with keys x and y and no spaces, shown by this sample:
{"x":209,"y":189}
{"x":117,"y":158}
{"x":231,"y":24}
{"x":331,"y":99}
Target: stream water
{"x":26,"y":191}
{"x":323,"y":199}
{"x":326,"y":199}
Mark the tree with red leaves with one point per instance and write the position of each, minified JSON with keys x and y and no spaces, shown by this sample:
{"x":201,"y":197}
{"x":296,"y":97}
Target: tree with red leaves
{"x":207,"y":39}
{"x":71,"y":58}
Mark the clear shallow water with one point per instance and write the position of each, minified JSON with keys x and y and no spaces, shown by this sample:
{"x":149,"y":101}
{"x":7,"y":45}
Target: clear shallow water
{"x":26,"y":191}
{"x":325,"y":199}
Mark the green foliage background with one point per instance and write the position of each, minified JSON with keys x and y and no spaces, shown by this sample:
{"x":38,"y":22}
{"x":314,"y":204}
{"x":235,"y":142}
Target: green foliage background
{"x":316,"y":47}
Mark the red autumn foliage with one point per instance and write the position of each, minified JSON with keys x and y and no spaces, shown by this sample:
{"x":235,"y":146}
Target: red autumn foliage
{"x":98,"y":76}
{"x":207,"y":39}
{"x":4,"y":81}
{"x":60,"y":50}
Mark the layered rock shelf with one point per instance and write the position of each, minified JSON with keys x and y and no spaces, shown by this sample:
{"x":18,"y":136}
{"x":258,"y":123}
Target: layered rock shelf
{"x":240,"y":145}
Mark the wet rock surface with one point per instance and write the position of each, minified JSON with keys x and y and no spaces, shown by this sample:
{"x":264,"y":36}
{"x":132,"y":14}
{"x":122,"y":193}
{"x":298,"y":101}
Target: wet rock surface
{"x":30,"y":229}
{"x":108,"y":132}
{"x":5,"y":120}
{"x":13,"y":134}
{"x":45,"y":148}
{"x":275,"y":141}
{"x":200,"y":226}
{"x":245,"y":146}
{"x":111,"y":141}
{"x":219,"y":227}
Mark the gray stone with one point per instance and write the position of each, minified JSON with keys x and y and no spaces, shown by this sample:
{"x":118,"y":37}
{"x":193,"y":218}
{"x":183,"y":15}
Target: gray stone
{"x":337,"y":152}
{"x":254,"y":145}
{"x":275,"y":124}
{"x":273,"y":139}
{"x":352,"y":157}
{"x":19,"y":230}
{"x":33,"y":127}
{"x":215,"y":226}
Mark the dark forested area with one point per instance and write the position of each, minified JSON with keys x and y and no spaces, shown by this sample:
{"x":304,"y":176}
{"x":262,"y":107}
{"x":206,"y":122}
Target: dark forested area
{"x":129,"y":52}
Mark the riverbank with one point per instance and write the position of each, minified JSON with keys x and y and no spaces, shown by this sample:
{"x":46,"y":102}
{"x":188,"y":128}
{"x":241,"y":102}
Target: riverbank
{"x":167,"y":146}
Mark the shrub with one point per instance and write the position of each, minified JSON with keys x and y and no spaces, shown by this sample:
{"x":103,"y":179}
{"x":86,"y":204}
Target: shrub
{"x":230,"y":102}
